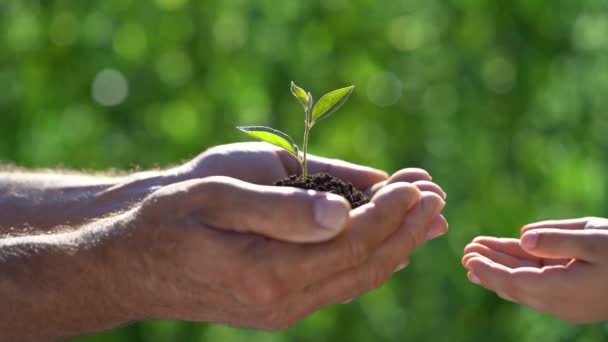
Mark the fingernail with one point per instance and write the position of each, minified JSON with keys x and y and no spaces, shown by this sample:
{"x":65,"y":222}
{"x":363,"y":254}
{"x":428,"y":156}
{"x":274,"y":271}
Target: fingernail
{"x":474,"y":279}
{"x":431,"y":203}
{"x":437,"y":229}
{"x":529,"y":240}
{"x":402,"y":266}
{"x":331,"y":211}
{"x":347,"y":301}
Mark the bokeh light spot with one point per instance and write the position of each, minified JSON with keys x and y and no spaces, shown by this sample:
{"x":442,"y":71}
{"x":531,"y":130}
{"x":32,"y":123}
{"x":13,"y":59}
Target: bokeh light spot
{"x":590,"y":32}
{"x":229,"y":32}
{"x":110,"y":87}
{"x":441,"y":100}
{"x":498,"y":74}
{"x":78,"y":122}
{"x":97,"y":28}
{"x":384,"y":89}
{"x":64,"y":29}
{"x":180,"y":122}
{"x":409,"y":33}
{"x":130,"y":41}
{"x":23,"y":32}
{"x":174,"y":67}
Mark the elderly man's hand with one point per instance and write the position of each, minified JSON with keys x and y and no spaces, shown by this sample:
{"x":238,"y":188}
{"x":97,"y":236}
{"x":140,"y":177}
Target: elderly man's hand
{"x":221,"y":250}
{"x":210,"y":240}
{"x":264,"y":164}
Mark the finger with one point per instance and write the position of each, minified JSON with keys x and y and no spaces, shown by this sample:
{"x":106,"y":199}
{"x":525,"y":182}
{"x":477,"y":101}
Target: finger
{"x":409,"y":175}
{"x":362,"y":177}
{"x":438,"y":227}
{"x":474,"y":250}
{"x":578,"y":223}
{"x":280,"y":213}
{"x":354,"y":282}
{"x":508,"y":246}
{"x":431,"y":187}
{"x":475,"y":280}
{"x":513,"y":248}
{"x":526,"y":285}
{"x":414,"y":232}
{"x":370,"y":225}
{"x":596,"y":223}
{"x":587,"y":245}
{"x":421,"y":185}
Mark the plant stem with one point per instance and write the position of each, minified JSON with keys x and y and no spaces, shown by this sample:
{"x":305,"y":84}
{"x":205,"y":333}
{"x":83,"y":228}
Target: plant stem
{"x":305,"y":147}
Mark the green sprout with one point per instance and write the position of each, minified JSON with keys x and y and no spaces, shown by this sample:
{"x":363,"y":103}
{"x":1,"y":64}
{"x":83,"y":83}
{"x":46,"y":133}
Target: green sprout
{"x":326,"y":106}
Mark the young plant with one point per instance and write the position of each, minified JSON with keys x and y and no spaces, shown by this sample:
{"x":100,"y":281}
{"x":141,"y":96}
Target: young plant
{"x":326,"y":106}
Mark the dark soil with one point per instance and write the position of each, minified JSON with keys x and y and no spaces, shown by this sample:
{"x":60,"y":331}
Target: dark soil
{"x":327,"y":183}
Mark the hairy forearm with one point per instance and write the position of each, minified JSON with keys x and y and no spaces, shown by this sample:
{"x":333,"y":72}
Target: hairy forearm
{"x":60,"y":285}
{"x":44,"y":201}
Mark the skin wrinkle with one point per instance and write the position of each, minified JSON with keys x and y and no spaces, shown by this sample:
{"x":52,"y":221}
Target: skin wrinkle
{"x":27,"y":258}
{"x":55,"y":196}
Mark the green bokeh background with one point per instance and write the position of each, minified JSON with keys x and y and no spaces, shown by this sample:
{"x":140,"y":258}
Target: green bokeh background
{"x":503,"y":101}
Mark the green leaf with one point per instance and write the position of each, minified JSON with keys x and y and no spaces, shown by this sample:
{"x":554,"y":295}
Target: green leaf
{"x":300,"y":94}
{"x":330,"y":103}
{"x":272,"y":136}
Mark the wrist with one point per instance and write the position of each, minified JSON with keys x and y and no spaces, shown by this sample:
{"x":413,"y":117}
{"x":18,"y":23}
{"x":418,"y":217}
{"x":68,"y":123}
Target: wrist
{"x":124,"y":194}
{"x":61,"y":285}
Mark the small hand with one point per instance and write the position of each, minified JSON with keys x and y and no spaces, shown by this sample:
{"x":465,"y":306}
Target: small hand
{"x":557,"y":267}
{"x":196,"y":250}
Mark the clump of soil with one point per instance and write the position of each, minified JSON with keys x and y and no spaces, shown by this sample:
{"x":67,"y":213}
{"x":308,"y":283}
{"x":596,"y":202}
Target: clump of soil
{"x":327,"y":183}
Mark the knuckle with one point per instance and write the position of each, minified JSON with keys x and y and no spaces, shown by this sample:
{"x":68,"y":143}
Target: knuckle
{"x":213,"y":187}
{"x":408,"y":193}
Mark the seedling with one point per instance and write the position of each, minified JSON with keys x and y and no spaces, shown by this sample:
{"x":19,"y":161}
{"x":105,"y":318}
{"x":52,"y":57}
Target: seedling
{"x":326,"y":106}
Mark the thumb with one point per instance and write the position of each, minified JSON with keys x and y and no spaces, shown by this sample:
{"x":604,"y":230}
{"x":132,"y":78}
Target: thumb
{"x":587,"y":245}
{"x":282,"y":213}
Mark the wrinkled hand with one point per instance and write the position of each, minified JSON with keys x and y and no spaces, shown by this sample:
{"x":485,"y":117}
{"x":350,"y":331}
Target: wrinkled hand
{"x":264,"y":164}
{"x":557,"y":267}
{"x":216,"y":249}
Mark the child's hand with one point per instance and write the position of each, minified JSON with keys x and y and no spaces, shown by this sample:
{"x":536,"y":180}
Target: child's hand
{"x":557,"y":267}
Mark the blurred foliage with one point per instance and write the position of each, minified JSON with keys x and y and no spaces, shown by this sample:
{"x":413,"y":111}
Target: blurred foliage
{"x":503,"y":101}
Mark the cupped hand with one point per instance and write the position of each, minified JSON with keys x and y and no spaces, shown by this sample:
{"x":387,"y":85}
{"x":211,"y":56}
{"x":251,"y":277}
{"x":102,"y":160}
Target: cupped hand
{"x":262,"y":163}
{"x":556,"y":267}
{"x":215,"y":249}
